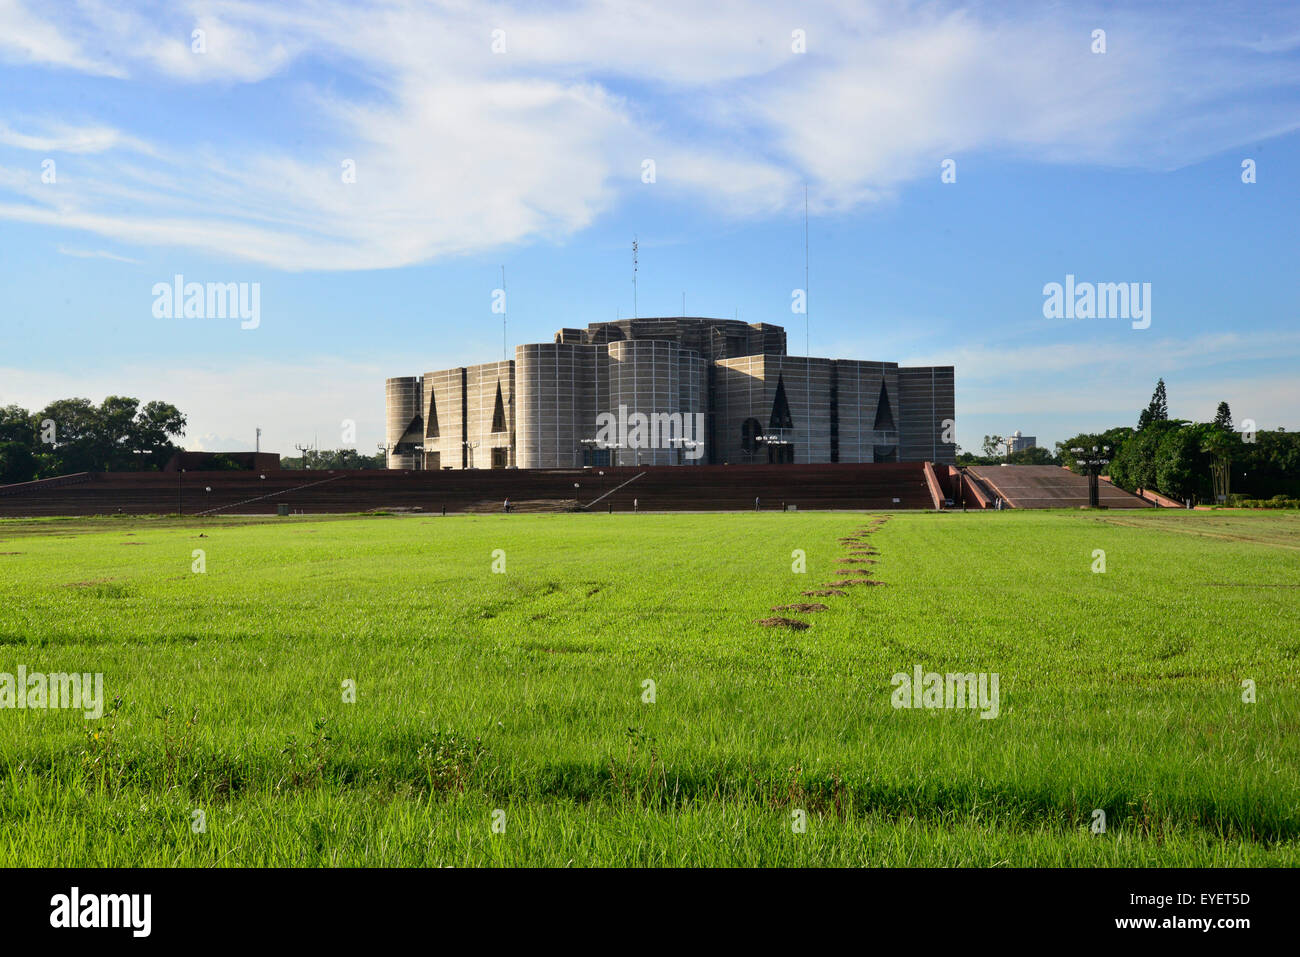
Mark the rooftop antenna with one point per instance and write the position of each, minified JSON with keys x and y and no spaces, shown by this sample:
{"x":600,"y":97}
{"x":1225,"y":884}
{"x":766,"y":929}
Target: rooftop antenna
{"x":683,"y":305}
{"x":504,"y":306}
{"x":807,"y":336}
{"x":258,"y":445}
{"x":634,"y":312}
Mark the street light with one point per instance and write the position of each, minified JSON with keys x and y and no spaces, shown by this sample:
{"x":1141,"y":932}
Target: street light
{"x":1093,"y":461}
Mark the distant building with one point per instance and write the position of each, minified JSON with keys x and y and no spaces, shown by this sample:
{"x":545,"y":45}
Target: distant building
{"x":1018,"y":442}
{"x":669,"y":391}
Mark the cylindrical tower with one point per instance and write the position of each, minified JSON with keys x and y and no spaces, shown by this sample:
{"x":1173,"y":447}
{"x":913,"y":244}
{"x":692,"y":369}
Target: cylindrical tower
{"x":403,"y":401}
{"x":554,"y":385}
{"x":644,"y":378}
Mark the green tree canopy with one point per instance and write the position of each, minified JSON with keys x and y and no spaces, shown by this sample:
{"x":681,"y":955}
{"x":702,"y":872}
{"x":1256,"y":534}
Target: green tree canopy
{"x":75,"y":435}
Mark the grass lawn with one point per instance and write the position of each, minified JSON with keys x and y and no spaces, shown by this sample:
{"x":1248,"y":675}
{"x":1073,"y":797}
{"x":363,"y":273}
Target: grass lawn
{"x":516,"y":698}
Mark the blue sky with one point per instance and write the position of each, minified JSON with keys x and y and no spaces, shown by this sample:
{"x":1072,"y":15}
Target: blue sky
{"x":225,"y":166}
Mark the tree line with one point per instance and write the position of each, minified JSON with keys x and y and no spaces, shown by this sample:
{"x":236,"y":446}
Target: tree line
{"x":75,"y":435}
{"x":334,"y":459}
{"x":1202,"y":461}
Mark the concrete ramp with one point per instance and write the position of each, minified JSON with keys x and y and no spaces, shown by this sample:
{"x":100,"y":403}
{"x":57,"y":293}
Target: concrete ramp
{"x":1049,"y":486}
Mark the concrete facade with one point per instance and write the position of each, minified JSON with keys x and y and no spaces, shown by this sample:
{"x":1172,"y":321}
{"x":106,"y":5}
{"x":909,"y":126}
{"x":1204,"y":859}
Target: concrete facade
{"x":467,"y":420}
{"x":669,"y":391}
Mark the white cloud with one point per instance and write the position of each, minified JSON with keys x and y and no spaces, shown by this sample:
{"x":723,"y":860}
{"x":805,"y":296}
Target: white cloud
{"x":1112,"y":358}
{"x":458,"y":149}
{"x":226,"y":401}
{"x":62,"y":138}
{"x":26,"y":38}
{"x":96,"y":254}
{"x":1061,"y":388}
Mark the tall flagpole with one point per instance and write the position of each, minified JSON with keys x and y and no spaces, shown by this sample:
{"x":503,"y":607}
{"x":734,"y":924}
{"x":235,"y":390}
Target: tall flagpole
{"x":807,"y":337}
{"x":807,"y":334}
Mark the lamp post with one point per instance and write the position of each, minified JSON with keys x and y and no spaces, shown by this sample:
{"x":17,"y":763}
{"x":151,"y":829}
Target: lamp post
{"x":1092,"y":461}
{"x":776,"y":438}
{"x":612,"y":447}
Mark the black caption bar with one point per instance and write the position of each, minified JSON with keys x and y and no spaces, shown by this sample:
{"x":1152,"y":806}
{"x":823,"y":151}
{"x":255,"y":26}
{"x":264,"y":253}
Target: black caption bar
{"x":331,"y":907}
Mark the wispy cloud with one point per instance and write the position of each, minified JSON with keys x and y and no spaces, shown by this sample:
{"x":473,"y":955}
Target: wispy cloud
{"x":96,"y":254}
{"x":229,"y":401}
{"x":458,"y":148}
{"x":27,"y":38}
{"x":1104,"y":383}
{"x":61,"y":138}
{"x":1113,"y":357}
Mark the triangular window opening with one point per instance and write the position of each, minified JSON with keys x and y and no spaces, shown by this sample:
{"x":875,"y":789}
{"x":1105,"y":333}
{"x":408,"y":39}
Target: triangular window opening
{"x":884,"y":415}
{"x":432,"y":419}
{"x":499,"y":413}
{"x":780,"y":418}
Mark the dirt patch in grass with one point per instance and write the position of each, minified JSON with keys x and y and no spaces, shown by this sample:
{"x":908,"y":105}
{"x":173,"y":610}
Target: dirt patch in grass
{"x":853,"y":581}
{"x":858,"y":561}
{"x":824,"y":592}
{"x":802,"y":606}
{"x":792,"y":623}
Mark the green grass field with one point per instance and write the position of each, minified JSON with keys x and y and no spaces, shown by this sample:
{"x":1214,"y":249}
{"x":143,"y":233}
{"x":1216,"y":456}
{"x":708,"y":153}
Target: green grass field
{"x":522,"y":691}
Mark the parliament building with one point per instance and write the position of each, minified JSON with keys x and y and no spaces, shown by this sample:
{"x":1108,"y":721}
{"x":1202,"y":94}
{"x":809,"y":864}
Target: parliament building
{"x":679,"y":391}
